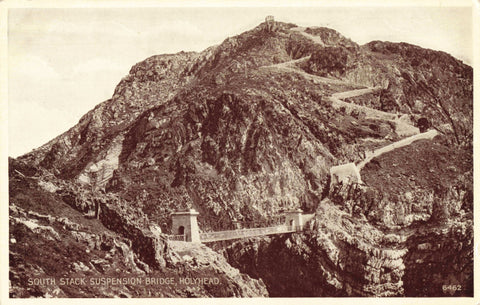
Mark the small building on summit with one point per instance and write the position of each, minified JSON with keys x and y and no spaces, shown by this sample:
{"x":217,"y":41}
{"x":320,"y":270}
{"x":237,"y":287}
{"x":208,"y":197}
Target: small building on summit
{"x":269,"y":23}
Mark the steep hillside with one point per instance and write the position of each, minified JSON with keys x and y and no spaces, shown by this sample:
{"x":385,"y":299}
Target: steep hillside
{"x":244,"y":131}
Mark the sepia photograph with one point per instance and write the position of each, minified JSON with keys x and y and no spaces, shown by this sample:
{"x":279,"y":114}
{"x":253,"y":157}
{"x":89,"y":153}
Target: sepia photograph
{"x":239,"y":151}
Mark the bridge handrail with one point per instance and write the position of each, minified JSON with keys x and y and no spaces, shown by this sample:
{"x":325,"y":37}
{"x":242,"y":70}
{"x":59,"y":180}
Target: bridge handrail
{"x":217,"y":235}
{"x":249,"y":229}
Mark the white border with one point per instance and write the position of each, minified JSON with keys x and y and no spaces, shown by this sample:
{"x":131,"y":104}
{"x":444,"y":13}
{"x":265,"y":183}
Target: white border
{"x":6,"y":4}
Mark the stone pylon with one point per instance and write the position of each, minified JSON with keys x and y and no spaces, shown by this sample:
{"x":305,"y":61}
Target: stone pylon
{"x":186,"y":223}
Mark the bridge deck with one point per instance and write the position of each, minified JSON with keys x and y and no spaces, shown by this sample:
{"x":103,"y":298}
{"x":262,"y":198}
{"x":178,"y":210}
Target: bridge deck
{"x":243,"y":233}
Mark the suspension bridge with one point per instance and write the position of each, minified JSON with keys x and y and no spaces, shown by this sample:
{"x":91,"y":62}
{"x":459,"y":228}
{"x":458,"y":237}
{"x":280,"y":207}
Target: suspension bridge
{"x":185,"y":227}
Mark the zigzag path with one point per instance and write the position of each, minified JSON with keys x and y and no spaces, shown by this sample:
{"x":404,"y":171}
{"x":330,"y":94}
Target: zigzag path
{"x":402,"y":128}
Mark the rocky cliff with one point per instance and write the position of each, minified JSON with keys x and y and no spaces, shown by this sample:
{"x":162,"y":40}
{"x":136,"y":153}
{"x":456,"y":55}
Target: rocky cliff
{"x":244,"y":131}
{"x":59,"y":249}
{"x":395,"y":238}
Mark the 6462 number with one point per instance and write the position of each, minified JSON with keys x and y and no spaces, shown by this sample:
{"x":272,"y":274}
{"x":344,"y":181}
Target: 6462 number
{"x":451,"y":288}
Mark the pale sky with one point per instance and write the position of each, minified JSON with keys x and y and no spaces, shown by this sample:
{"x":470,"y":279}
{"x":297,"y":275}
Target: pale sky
{"x":63,"y":62}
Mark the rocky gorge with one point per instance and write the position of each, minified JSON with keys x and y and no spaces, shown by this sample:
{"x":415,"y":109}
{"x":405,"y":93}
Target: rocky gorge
{"x":243,"y":132}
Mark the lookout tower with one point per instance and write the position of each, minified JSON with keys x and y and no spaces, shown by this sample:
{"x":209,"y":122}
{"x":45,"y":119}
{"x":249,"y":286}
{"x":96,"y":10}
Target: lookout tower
{"x":185,"y":223}
{"x":294,"y":219}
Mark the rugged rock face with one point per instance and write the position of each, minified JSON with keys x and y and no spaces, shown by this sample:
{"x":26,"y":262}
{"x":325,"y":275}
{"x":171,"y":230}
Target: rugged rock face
{"x":409,"y":233}
{"x":244,"y":131}
{"x":56,"y":250}
{"x":325,"y":261}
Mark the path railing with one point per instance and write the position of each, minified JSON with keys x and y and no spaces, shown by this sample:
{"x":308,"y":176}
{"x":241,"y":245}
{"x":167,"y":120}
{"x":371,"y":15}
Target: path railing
{"x":243,"y":233}
{"x":404,"y":142}
{"x":176,"y":237}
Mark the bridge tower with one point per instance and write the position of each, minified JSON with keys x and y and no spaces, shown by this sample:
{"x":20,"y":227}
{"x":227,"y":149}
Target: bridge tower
{"x":294,"y":219}
{"x":186,"y":223}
